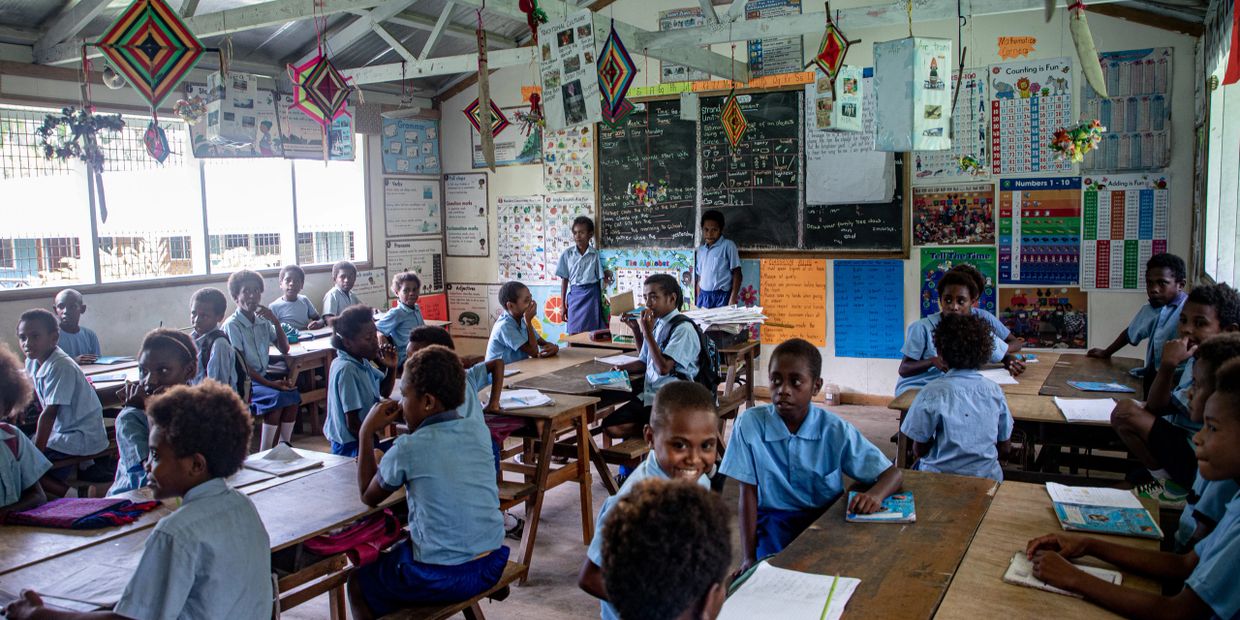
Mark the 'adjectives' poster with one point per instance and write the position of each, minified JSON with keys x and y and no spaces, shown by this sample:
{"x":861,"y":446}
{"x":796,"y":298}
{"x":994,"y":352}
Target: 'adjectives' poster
{"x":1040,"y":230}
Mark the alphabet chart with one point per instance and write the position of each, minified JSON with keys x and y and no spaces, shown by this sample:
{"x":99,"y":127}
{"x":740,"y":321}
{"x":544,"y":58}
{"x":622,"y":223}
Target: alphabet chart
{"x":1125,"y":224}
{"x":1030,"y":100}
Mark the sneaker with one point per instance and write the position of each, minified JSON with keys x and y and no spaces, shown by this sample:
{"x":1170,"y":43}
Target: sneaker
{"x":513,"y":526}
{"x":1168,"y":493}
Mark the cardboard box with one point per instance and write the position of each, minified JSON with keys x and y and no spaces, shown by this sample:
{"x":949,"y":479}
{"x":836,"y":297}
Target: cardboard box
{"x":619,"y":304}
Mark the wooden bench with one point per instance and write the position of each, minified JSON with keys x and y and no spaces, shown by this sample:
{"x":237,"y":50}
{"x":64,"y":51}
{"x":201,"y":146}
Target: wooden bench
{"x":84,"y":487}
{"x":327,"y":575}
{"x":471,"y":608}
{"x":628,"y":452}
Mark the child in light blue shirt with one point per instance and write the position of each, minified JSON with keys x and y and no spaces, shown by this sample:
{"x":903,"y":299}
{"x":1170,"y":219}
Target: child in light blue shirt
{"x":1158,"y":320}
{"x":21,"y":464}
{"x":444,"y":463}
{"x":960,"y":423}
{"x":217,"y":359}
{"x":581,"y":280}
{"x":514,"y":338}
{"x":167,"y":359}
{"x":684,"y":436}
{"x":211,"y":558}
{"x":71,"y":423}
{"x":716,"y":266}
{"x":292,"y":307}
{"x":252,"y":329}
{"x":790,"y":457}
{"x":406,"y":316}
{"x":922,"y":363}
{"x":354,"y":384}
{"x":984,"y":285}
{"x":344,"y":275}
{"x":77,"y":341}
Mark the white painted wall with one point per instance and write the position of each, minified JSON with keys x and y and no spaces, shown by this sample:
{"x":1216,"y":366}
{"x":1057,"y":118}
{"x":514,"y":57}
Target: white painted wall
{"x":1109,"y":312}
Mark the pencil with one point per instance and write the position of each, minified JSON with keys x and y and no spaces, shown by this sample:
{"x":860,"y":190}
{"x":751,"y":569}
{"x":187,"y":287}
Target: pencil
{"x":830,"y":594}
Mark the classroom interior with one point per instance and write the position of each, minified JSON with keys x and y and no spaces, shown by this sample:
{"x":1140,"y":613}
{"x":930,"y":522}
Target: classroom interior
{"x":413,"y":68}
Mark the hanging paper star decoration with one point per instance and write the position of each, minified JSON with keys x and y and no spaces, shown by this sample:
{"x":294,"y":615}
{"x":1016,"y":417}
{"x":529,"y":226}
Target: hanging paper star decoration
{"x":832,"y":50}
{"x":152,"y":47}
{"x":615,"y":73}
{"x":733,"y":119}
{"x":499,"y":121}
{"x":320,"y":90}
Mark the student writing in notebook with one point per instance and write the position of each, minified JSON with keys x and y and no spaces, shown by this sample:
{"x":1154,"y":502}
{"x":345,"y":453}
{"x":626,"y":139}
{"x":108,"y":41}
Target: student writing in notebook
{"x":1210,"y":571}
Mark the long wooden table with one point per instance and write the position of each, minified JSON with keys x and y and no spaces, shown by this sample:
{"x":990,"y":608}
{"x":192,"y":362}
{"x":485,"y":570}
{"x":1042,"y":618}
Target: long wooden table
{"x":1020,"y":512}
{"x":905,"y":569}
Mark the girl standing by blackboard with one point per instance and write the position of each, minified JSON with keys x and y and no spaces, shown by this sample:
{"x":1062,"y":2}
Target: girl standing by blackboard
{"x":581,"y":280}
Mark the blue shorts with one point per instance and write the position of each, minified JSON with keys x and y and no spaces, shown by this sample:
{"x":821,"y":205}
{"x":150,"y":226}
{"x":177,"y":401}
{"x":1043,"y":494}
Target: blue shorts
{"x":713,"y":299}
{"x":344,"y":449}
{"x":396,"y":580}
{"x":266,"y":399}
{"x":777,"y":528}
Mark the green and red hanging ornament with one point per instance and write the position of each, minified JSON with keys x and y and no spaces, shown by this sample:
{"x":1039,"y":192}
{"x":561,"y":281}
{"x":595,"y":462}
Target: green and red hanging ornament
{"x":831,"y":51}
{"x":534,"y":16}
{"x":732,"y":117}
{"x":320,"y":91}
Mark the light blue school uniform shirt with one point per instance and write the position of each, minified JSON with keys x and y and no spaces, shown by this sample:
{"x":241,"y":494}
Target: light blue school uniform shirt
{"x":221,"y":365}
{"x":579,"y":269}
{"x":1218,"y":565}
{"x":1000,"y":330}
{"x":507,"y":338}
{"x":648,"y":468}
{"x":296,"y":313}
{"x":683,"y":347}
{"x":1211,"y":502}
{"x":398,"y":323}
{"x":79,"y":424}
{"x":19,"y":471}
{"x":336,"y":300}
{"x":448,"y":471}
{"x":352,"y":384}
{"x":211,"y":558}
{"x":1179,"y":400}
{"x":1158,"y":325}
{"x":85,"y":342}
{"x":801,"y":471}
{"x":965,"y":415}
{"x":253,"y":338}
{"x":133,"y":432}
{"x":714,"y":263}
{"x":476,"y":378}
{"x":919,"y":345}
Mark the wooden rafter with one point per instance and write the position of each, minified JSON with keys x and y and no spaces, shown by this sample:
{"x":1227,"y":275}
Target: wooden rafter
{"x":69,"y":22}
{"x":1148,"y":18}
{"x":358,"y":28}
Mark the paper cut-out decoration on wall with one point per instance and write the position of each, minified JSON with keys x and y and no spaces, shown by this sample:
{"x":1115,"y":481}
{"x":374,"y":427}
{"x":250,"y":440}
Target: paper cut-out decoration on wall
{"x":615,"y":73}
{"x":831,"y":50}
{"x":1085,"y":49}
{"x":320,"y":90}
{"x":733,"y":119}
{"x":152,"y":47}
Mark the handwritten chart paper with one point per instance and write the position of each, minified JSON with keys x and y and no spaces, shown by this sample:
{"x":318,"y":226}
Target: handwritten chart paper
{"x":862,"y":327}
{"x":1125,"y":219}
{"x":559,"y":211}
{"x":842,"y":167}
{"x":522,"y":254}
{"x":970,"y":121}
{"x":568,"y":160}
{"x":1030,"y":100}
{"x":1136,"y":112}
{"x":411,"y":207}
{"x":794,"y":294}
{"x":1040,"y":230}
{"x":410,"y":146}
{"x":465,"y":214}
{"x":936,"y":261}
{"x":421,"y":256}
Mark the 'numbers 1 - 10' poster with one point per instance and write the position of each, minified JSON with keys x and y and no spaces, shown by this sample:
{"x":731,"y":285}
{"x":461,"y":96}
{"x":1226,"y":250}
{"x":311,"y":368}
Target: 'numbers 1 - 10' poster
{"x":1040,"y":230}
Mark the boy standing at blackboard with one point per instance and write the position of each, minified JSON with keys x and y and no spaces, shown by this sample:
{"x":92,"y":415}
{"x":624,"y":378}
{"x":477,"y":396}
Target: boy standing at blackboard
{"x":717,"y":270}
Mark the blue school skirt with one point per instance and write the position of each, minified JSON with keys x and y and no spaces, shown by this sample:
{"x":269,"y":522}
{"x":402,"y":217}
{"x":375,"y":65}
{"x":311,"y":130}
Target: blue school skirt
{"x":713,"y":299}
{"x":396,"y":580}
{"x":777,"y":528}
{"x":266,"y":399}
{"x":585,"y":308}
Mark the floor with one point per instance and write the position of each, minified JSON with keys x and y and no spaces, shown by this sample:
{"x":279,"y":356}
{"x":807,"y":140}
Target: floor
{"x":552,"y":592}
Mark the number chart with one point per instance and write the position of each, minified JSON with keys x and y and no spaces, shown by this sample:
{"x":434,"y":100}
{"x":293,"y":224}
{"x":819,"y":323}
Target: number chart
{"x":1029,"y":101}
{"x":1125,"y":219}
{"x":1040,"y":230}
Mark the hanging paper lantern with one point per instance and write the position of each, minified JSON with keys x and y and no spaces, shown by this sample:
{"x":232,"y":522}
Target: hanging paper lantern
{"x":733,"y":119}
{"x":913,"y":95}
{"x":320,"y":90}
{"x":156,"y":142}
{"x":499,"y":121}
{"x":152,"y":47}
{"x":615,"y":73}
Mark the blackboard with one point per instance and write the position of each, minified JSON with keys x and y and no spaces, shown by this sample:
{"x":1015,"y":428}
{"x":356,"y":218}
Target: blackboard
{"x":877,"y":227}
{"x":648,"y":179}
{"x":757,"y":186}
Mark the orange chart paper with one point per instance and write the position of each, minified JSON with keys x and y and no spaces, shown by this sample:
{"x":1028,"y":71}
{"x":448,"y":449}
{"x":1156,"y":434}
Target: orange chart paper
{"x":794,"y":293}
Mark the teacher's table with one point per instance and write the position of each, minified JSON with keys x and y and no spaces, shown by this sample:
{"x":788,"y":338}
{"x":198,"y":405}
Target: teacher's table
{"x":904,"y":569}
{"x":1019,"y":513}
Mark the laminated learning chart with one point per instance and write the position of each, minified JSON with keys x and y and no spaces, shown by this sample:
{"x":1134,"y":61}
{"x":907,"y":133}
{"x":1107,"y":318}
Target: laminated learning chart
{"x":1029,"y":101}
{"x":1125,"y":223}
{"x":1136,"y":111}
{"x":1040,"y":230}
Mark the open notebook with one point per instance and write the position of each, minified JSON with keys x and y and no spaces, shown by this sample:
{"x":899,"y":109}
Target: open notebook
{"x":772,"y":592}
{"x":1020,"y":572}
{"x":280,"y":461}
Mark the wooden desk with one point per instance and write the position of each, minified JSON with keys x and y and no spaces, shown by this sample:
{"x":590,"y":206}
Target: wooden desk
{"x":584,"y":340}
{"x":103,"y":369}
{"x":1020,"y":512}
{"x":536,"y":366}
{"x":904,"y":569}
{"x":1077,"y":367}
{"x":569,"y":380}
{"x":307,"y":356}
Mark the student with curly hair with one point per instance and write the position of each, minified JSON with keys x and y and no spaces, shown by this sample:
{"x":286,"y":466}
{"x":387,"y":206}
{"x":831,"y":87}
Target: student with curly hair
{"x":666,"y":550}
{"x":21,"y":464}
{"x":211,"y":558}
{"x":960,"y":423}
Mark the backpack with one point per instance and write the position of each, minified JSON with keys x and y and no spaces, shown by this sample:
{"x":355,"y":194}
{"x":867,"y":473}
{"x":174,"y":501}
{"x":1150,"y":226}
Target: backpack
{"x":206,"y":342}
{"x":708,"y":372}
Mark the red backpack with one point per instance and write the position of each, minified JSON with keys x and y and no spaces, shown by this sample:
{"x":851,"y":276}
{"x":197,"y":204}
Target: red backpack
{"x":361,"y":541}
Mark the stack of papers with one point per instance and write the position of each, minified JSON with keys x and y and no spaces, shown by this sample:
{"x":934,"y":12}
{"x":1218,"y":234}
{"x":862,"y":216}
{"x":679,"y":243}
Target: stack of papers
{"x":727,"y":315}
{"x":281,"y":460}
{"x":1000,"y":376}
{"x":1020,"y":572}
{"x":772,"y":592}
{"x":522,"y":399}
{"x":1086,"y":409}
{"x":617,"y":360}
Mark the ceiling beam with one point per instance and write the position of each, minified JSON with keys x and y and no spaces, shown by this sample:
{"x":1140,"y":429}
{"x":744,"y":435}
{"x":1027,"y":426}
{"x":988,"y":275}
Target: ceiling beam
{"x":189,"y":8}
{"x":69,"y":22}
{"x":447,"y":65}
{"x":271,"y":13}
{"x":736,"y":11}
{"x":708,"y":11}
{"x":17,"y":35}
{"x":444,"y":17}
{"x":1148,"y":18}
{"x":359,"y":28}
{"x":409,"y":19}
{"x":396,"y":45}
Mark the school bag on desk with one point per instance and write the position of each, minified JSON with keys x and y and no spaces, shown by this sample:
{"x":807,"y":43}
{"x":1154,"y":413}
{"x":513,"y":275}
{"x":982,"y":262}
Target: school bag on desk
{"x":707,"y":373}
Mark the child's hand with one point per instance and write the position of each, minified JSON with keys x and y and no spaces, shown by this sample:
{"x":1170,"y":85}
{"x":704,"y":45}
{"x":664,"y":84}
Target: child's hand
{"x":647,"y":322}
{"x":382,"y":414}
{"x":266,"y":313}
{"x":1175,"y":352}
{"x":24,"y":607}
{"x":939,"y":363}
{"x":864,"y":504}
{"x":287,"y":383}
{"x":1097,"y":353}
{"x":530,"y":311}
{"x":1066,"y":545}
{"x":86,"y":358}
{"x":548,"y":350}
{"x":1013,"y":365}
{"x":387,"y":356}
{"x":132,"y":395}
{"x":1053,"y":569}
{"x":316,"y":324}
{"x":492,"y":409}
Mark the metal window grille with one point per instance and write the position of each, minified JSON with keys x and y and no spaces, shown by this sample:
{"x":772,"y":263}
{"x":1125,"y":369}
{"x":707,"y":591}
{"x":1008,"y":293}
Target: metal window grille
{"x":20,"y":154}
{"x":7,"y":257}
{"x":126,"y":151}
{"x":267,"y":244}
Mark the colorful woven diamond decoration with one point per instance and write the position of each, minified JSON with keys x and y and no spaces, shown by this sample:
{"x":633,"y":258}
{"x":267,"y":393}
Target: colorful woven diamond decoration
{"x":499,"y":122}
{"x":733,"y":119}
{"x":615,"y":74}
{"x":614,"y":122}
{"x":320,"y":90}
{"x":152,"y":48}
{"x":831,"y":52}
{"x":156,"y":142}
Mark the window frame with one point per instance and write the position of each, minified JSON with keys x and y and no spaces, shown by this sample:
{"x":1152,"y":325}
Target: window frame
{"x":203,"y":250}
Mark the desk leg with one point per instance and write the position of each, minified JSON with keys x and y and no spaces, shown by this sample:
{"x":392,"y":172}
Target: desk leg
{"x":335,"y":599}
{"x":600,"y":466}
{"x":749,"y":361}
{"x":533,"y":506}
{"x":903,"y":449}
{"x":584,"y":443}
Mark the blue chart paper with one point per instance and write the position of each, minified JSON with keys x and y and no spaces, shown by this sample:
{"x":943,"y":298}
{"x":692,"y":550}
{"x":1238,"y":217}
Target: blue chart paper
{"x":411,"y":146}
{"x":869,"y":308}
